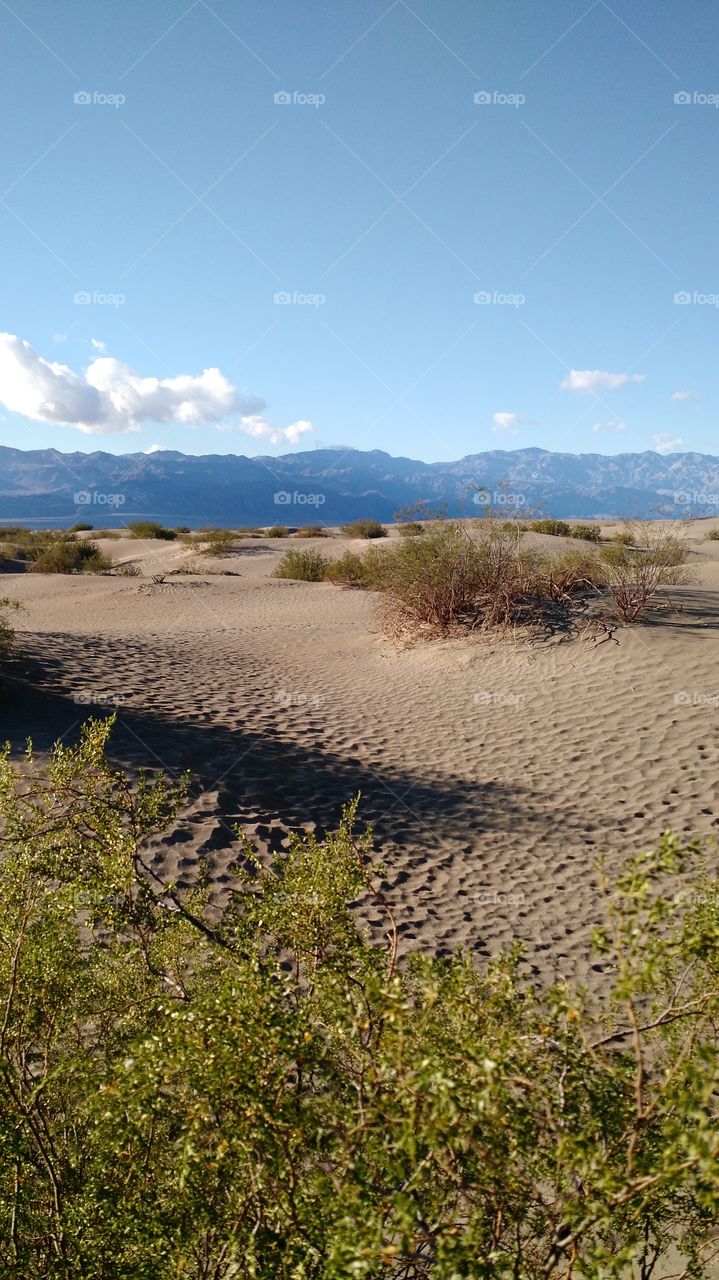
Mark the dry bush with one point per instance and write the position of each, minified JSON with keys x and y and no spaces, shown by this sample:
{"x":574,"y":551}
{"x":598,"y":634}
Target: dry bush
{"x":302,"y":566}
{"x":364,"y":529}
{"x":637,"y":572}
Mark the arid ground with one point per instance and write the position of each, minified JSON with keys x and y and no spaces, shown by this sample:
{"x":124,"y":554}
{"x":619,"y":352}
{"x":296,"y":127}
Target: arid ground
{"x":494,"y":771}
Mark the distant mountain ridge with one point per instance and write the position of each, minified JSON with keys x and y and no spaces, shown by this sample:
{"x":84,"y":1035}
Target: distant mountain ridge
{"x":331,"y":486}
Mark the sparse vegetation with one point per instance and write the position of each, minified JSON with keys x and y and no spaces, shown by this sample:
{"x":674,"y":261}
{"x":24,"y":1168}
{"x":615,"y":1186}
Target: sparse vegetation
{"x":713,"y":535}
{"x":150,"y":529}
{"x":217,"y":542}
{"x":80,"y":528}
{"x":182,"y":528}
{"x":278,"y":531}
{"x":639,"y":571}
{"x":7,"y":634}
{"x":364,"y":529}
{"x":258,"y":1093}
{"x":411,"y":530}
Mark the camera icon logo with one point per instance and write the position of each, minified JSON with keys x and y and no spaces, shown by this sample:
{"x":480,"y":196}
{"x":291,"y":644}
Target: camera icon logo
{"x":483,"y":98}
{"x":483,"y":298}
{"x":682,"y":699}
{"x":82,"y":297}
{"x":282,"y":298}
{"x":82,"y":98}
{"x":682,"y":99}
{"x":83,"y":498}
{"x":282,"y":498}
{"x":282,"y":98}
{"x":682,"y":298}
{"x":482,"y":498}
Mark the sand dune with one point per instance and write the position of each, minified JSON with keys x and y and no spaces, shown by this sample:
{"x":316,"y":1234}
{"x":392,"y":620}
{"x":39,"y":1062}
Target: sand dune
{"x":494,"y":772}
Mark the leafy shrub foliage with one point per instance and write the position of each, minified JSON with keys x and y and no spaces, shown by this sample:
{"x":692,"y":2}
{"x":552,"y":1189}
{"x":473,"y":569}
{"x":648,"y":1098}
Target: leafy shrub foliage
{"x":67,"y":556}
{"x":80,"y":528}
{"x":364,"y":529}
{"x":412,"y":529}
{"x":254,"y":1092}
{"x":304,"y":566}
{"x":311,"y":531}
{"x":278,"y":531}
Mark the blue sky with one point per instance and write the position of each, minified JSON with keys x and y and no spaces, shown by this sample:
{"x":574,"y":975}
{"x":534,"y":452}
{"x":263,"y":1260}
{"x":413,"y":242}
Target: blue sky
{"x":382,"y":200}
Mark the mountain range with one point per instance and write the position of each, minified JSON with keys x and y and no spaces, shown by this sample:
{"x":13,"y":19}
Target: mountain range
{"x":334,"y":485}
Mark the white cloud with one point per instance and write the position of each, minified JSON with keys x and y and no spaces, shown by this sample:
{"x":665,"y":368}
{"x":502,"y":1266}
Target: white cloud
{"x":666,"y":444}
{"x":593,"y":381}
{"x":110,"y":396}
{"x":506,"y":421}
{"x":97,"y":345}
{"x":612,"y":425}
{"x":257,"y":426}
{"x":693,"y":398}
{"x":156,"y":448}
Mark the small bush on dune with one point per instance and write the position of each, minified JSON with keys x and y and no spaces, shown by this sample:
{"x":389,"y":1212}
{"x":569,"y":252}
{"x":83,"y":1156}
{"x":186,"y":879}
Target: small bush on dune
{"x":713,"y":535}
{"x":311,"y":531}
{"x":278,"y":531}
{"x":80,"y":528}
{"x":587,"y":532}
{"x":411,"y":530}
{"x":558,"y":528}
{"x":623,"y":539}
{"x":303,"y":566}
{"x":71,"y":557}
{"x":216,"y":542}
{"x":150,"y":529}
{"x":364,"y":529}
{"x":7,"y":635}
{"x":637,"y":573}
{"x":182,"y":528}
{"x":105,"y":534}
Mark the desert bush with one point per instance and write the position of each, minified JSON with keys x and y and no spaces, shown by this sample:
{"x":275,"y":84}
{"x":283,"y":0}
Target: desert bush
{"x":304,"y":566}
{"x":7,"y":634}
{"x":150,"y":529}
{"x":127,"y":570}
{"x":638,"y":572}
{"x":623,"y":539}
{"x":14,"y":532}
{"x":278,"y":531}
{"x":559,"y":528}
{"x":255,"y":1092}
{"x":105,"y":534}
{"x":182,"y":528}
{"x":587,"y":532}
{"x":65,"y":556}
{"x":713,"y":535}
{"x":311,"y":531}
{"x":364,"y":529}
{"x":82,"y":527}
{"x":412,"y":529}
{"x":217,"y":542}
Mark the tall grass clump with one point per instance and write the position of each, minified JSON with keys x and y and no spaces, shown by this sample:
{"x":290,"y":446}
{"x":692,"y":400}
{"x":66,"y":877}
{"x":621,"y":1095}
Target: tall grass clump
{"x":303,"y":566}
{"x":253,"y":1091}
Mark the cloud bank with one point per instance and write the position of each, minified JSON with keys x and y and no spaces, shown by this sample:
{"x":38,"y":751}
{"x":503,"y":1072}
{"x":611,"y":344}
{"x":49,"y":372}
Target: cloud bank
{"x":109,"y":396}
{"x":593,"y":381}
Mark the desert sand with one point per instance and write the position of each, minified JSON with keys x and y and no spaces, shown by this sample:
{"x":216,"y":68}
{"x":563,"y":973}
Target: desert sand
{"x":494,"y":771}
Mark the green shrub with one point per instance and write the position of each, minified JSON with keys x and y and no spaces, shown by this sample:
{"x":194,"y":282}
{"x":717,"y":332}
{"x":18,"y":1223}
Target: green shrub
{"x":149,"y":529}
{"x":624,"y":539}
{"x":278,"y":531}
{"x":7,"y":634}
{"x":217,"y":542}
{"x":304,"y":566}
{"x":182,"y":528}
{"x":587,"y":532}
{"x":364,"y":529}
{"x":558,"y":528}
{"x":713,"y":535}
{"x":80,"y":528}
{"x":254,"y":1092}
{"x":14,"y":533}
{"x":64,"y":556}
{"x":411,"y":530}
